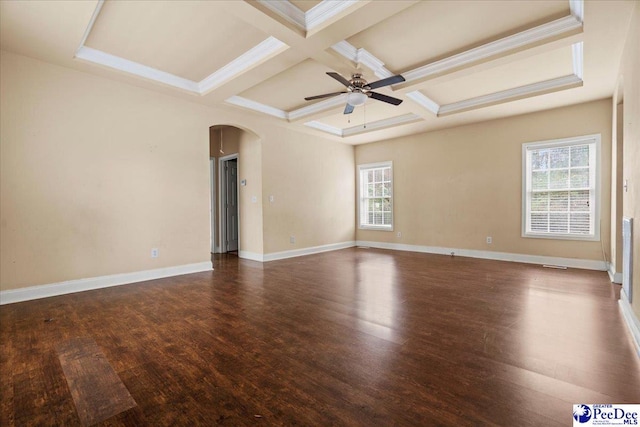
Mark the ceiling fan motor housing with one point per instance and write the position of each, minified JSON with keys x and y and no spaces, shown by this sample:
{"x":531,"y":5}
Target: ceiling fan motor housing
{"x":358,"y":82}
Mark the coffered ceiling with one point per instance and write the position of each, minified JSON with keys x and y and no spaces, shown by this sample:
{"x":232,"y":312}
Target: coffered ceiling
{"x":463,"y":61}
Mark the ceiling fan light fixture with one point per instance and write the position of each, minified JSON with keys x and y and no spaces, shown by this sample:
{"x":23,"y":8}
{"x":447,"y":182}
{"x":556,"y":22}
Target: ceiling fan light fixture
{"x":356,"y":98}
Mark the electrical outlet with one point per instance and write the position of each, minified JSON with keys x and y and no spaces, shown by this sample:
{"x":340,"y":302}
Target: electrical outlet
{"x":489,"y":240}
{"x":254,"y":199}
{"x":272,"y":199}
{"x":399,"y":234}
{"x":155,"y":253}
{"x":292,"y":239}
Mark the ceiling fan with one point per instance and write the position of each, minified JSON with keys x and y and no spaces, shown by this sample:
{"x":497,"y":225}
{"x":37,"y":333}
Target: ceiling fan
{"x":359,"y":90}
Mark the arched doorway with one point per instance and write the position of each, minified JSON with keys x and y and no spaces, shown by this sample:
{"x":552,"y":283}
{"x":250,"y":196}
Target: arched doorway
{"x":236,"y":191}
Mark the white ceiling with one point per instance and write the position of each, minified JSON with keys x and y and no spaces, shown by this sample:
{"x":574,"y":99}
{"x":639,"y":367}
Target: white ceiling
{"x":463,"y":61}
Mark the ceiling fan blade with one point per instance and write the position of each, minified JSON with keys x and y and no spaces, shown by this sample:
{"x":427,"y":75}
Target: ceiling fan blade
{"x":325,"y":95}
{"x":348,"y":109}
{"x":385,"y":98}
{"x":386,"y":82}
{"x":339,"y":78}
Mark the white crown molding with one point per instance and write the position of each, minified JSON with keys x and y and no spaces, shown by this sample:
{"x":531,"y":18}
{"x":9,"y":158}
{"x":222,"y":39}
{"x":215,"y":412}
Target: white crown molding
{"x":347,"y":50}
{"x":267,"y":49}
{"x":362,"y":57}
{"x":324,"y":11}
{"x":633,"y":324}
{"x":367,"y":59}
{"x":248,"y":60}
{"x":498,"y":47}
{"x":578,"y":59}
{"x":370,"y":127}
{"x":106,"y":59}
{"x":577,"y":9}
{"x":539,"y":88}
{"x":308,"y":251}
{"x":80,"y":285}
{"x":381,"y":124}
{"x":92,"y":21}
{"x":587,"y":264}
{"x":317,"y":107}
{"x":257,"y":106}
{"x":316,"y":16}
{"x":324,"y":128}
{"x":286,"y":10}
{"x":424,"y":101}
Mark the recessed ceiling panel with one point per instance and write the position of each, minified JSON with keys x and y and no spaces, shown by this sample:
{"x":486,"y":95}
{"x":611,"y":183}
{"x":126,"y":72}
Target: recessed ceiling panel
{"x":288,"y":89}
{"x":546,"y":66}
{"x":305,"y":5}
{"x":431,"y":30}
{"x":372,"y":111}
{"x":190,"y":39}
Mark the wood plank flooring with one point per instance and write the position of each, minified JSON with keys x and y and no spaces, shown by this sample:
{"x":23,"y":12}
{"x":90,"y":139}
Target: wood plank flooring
{"x":357,"y":337}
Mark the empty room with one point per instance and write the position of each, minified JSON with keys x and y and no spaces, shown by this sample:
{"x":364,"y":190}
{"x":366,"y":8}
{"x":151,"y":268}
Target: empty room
{"x":319,"y":212}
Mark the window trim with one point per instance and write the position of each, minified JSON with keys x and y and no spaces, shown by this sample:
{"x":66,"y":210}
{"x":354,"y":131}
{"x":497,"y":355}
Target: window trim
{"x":585,"y":139}
{"x":366,"y":166}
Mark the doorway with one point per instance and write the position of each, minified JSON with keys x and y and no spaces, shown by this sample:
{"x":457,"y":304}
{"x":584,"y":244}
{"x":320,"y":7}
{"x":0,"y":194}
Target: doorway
{"x":229,"y":207}
{"x":212,"y":206}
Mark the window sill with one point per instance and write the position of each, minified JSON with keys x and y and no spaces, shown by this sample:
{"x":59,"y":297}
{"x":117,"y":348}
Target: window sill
{"x":375,"y":228}
{"x":590,"y":238}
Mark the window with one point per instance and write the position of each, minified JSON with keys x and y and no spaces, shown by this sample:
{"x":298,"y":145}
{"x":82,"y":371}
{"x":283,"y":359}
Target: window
{"x":561,"y":188}
{"x":376,"y":196}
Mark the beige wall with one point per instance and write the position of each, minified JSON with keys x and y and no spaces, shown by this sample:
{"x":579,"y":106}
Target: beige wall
{"x":455,"y":187}
{"x":630,"y":76}
{"x":312,"y":183}
{"x":250,"y":170}
{"x":95,"y":173}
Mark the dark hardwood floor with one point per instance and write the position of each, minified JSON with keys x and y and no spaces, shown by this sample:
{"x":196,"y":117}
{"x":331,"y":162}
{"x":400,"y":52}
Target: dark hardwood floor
{"x":353,"y":337}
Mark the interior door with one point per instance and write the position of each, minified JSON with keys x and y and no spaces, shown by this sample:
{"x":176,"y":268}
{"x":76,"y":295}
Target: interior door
{"x":231,"y":182}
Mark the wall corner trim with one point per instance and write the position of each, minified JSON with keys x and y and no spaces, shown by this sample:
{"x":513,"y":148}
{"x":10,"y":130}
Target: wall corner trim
{"x":633,"y":324}
{"x":308,"y":251}
{"x":80,"y":285}
{"x":615,"y":277}
{"x":587,"y":264}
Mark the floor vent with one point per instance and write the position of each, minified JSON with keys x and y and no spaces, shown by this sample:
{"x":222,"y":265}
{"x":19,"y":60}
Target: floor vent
{"x":559,"y":267}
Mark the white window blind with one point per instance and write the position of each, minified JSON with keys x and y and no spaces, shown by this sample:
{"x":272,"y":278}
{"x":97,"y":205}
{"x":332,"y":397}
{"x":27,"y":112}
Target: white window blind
{"x":560,"y":188}
{"x":376,"y":196}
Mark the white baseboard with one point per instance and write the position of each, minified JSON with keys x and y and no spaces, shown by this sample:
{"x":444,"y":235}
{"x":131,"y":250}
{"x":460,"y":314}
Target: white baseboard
{"x":630,"y":319}
{"x":251,"y":256}
{"x":307,"y":251}
{"x":498,"y":256}
{"x":80,"y":285}
{"x":615,"y":277}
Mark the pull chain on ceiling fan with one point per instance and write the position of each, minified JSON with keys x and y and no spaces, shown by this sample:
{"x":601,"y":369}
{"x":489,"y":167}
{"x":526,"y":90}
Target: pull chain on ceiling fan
{"x":359,"y":90}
